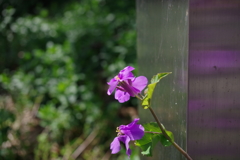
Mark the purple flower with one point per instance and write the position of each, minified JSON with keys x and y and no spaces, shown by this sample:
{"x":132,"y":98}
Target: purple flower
{"x":127,"y":133}
{"x":126,"y":84}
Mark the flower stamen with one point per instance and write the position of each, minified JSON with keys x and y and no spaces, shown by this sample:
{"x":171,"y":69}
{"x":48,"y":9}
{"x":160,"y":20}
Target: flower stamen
{"x":116,"y":78}
{"x":119,"y":132}
{"x":117,"y":129}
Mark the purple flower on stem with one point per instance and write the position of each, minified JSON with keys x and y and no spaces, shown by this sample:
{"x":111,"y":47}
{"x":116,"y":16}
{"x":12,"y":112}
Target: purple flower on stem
{"x":127,"y":133}
{"x":126,"y":84}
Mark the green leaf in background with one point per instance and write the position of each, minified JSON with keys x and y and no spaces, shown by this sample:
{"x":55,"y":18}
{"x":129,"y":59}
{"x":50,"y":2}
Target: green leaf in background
{"x":149,"y":140}
{"x":46,"y":49}
{"x":149,"y":91}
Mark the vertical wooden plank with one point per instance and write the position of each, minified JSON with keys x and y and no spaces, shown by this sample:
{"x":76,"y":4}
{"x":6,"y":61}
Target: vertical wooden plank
{"x":214,"y":76}
{"x":162,"y":46}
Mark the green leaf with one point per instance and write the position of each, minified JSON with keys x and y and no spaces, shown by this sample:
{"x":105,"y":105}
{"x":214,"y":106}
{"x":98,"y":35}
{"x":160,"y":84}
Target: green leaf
{"x":147,"y":149}
{"x":150,"y":89}
{"x":159,"y":76}
{"x":152,"y":127}
{"x":149,"y":140}
{"x":164,"y":141}
{"x":147,"y":143}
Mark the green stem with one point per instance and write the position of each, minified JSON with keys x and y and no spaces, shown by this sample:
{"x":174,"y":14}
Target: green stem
{"x":165,"y":134}
{"x":138,"y":97}
{"x":152,"y":132}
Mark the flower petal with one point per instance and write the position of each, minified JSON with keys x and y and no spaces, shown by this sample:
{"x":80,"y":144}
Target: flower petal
{"x":140,"y":83}
{"x":133,"y":130}
{"x":125,"y":139}
{"x":128,"y":88}
{"x":134,"y":122}
{"x":121,"y":96}
{"x":115,"y":146}
{"x":112,"y":85}
{"x":126,"y":73}
{"x":135,"y":133}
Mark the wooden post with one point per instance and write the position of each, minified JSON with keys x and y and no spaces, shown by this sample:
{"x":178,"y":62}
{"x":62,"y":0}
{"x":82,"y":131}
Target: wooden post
{"x":214,"y":80}
{"x":199,"y":42}
{"x":162,"y":46}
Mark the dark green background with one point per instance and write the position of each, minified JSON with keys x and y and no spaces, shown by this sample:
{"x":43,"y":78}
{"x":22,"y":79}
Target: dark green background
{"x":56,"y":57}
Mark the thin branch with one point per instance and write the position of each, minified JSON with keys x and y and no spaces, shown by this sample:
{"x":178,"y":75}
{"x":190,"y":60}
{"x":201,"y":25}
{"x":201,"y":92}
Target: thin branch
{"x":107,"y":156}
{"x":138,"y":97}
{"x":152,"y":132}
{"x":165,"y":134}
{"x":84,"y":145}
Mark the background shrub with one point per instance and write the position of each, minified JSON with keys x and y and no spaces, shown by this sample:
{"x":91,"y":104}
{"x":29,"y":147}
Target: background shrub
{"x":56,"y":57}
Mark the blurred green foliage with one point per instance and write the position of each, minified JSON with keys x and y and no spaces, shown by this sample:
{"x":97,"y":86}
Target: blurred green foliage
{"x":56,"y":57}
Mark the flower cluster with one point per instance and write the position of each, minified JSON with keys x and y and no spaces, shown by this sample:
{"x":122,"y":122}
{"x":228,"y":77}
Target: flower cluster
{"x":127,"y":133}
{"x":126,"y":85}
